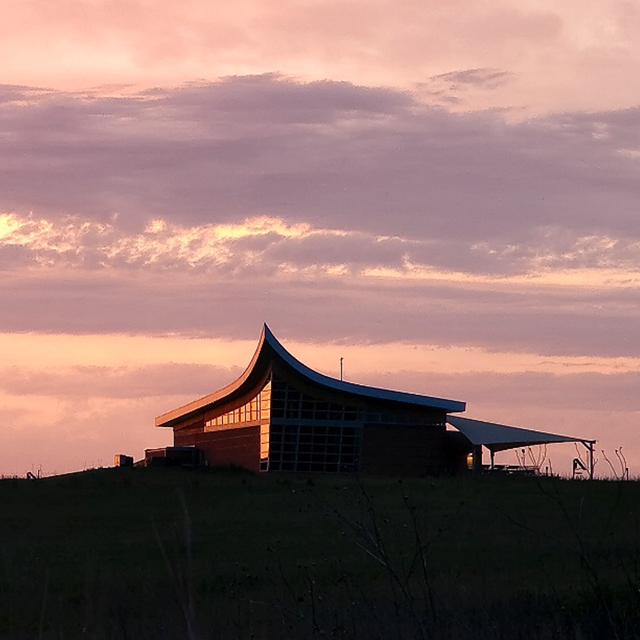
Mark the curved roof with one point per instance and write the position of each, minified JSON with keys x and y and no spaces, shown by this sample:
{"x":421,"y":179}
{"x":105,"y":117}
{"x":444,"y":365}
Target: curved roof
{"x":268,"y":348}
{"x":499,"y":437}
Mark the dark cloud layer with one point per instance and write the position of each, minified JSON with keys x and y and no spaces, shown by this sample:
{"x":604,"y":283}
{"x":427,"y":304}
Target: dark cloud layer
{"x":330,"y":152}
{"x":326,"y":309}
{"x":371,"y":177}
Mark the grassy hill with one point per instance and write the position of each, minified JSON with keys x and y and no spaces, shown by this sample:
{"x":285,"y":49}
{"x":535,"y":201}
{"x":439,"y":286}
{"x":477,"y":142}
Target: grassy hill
{"x":168,"y":553}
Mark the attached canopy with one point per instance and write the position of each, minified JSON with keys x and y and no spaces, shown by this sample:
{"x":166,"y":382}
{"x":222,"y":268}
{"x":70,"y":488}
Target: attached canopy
{"x":499,"y":437}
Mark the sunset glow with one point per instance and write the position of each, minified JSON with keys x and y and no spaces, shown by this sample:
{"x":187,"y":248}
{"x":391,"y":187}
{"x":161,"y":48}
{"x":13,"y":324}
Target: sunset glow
{"x":445,"y":195}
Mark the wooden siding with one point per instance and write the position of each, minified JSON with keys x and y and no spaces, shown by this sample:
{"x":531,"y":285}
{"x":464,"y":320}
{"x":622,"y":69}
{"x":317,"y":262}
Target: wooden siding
{"x":238,"y":446}
{"x":404,"y":450}
{"x":188,"y":428}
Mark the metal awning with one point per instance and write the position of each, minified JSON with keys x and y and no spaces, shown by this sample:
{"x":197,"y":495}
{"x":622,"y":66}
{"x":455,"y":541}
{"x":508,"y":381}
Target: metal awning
{"x":500,"y":437}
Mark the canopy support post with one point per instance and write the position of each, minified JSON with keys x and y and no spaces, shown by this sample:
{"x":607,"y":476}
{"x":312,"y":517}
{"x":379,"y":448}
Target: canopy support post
{"x":589,"y":444}
{"x":477,"y":459}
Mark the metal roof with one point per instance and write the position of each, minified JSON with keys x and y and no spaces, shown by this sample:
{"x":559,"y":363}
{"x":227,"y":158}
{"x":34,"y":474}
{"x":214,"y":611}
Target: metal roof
{"x":499,"y":437}
{"x":268,"y":347}
{"x":359,"y":389}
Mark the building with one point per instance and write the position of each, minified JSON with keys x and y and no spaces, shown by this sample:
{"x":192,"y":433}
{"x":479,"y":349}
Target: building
{"x":280,"y":415}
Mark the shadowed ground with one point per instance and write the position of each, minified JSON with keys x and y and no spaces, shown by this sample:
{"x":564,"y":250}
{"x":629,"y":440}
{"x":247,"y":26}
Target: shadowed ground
{"x":168,"y":553}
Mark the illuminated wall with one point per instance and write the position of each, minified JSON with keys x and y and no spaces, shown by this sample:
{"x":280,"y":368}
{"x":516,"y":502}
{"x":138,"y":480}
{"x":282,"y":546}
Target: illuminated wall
{"x":291,"y":425}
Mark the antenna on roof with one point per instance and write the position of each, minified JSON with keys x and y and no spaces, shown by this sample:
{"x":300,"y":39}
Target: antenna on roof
{"x":341,"y":359}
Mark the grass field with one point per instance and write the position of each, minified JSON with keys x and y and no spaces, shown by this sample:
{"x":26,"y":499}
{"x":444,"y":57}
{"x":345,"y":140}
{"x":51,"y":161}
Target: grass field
{"x":169,"y":553}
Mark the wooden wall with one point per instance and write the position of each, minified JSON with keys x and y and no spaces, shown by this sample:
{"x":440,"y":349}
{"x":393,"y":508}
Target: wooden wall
{"x":403,"y":450}
{"x":238,"y":446}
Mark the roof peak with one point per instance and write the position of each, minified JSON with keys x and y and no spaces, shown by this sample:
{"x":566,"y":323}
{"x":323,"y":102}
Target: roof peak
{"x":352,"y":387}
{"x":268,"y":347}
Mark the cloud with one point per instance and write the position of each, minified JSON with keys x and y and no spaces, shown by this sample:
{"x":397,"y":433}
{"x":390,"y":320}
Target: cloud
{"x":489,"y":78}
{"x":450,"y":88}
{"x":124,"y":382}
{"x":591,"y":391}
{"x":332,"y":154}
{"x":567,"y":390}
{"x":562,"y":55}
{"x":322,"y":306}
{"x":314,"y":205}
{"x":266,"y":245}
{"x":367,"y":173}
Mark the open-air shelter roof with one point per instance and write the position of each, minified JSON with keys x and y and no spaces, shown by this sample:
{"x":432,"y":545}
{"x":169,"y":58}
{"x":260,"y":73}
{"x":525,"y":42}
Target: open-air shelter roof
{"x":500,"y":437}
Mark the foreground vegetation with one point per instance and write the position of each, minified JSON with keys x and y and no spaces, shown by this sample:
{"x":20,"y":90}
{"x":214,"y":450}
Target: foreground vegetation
{"x":168,"y":553}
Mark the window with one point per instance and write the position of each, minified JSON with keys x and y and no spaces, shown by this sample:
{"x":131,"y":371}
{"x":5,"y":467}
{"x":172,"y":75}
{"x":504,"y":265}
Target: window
{"x":314,"y":448}
{"x":298,"y":432}
{"x":289,"y":403}
{"x":257,"y":409}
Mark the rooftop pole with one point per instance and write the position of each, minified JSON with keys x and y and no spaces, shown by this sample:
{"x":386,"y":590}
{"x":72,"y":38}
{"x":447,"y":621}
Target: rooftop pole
{"x":341,"y":359}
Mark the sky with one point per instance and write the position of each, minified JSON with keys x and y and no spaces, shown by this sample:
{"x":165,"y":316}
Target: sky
{"x":444,"y":194}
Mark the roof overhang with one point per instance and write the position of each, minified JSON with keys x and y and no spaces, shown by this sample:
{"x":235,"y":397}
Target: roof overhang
{"x":360,"y":389}
{"x":269,"y":348}
{"x":500,"y":437}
